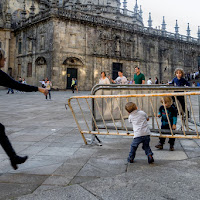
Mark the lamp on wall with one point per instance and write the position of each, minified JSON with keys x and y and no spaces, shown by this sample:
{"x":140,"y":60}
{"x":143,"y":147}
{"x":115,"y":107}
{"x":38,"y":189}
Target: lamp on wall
{"x":64,"y":73}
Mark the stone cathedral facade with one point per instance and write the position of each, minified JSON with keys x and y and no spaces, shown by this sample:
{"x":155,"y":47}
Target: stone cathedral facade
{"x":69,"y":39}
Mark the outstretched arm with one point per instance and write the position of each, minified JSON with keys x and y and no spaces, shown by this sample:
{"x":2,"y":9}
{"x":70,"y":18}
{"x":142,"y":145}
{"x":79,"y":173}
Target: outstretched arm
{"x":111,"y":79}
{"x":7,"y":81}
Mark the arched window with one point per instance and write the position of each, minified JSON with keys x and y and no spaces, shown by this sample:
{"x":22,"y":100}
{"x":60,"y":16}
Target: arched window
{"x":42,"y":42}
{"x":29,"y":70}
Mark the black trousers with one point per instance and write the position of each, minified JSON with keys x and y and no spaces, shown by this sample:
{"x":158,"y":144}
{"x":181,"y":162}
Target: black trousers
{"x":181,"y":99}
{"x":171,"y":140}
{"x":5,"y":143}
{"x":49,"y":94}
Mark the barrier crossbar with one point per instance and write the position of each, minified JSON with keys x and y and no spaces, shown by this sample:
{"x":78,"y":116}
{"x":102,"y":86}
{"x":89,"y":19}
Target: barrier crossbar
{"x":82,"y":111}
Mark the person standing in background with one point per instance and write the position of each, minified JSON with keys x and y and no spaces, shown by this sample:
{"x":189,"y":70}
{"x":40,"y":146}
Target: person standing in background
{"x":149,"y":82}
{"x":139,"y":78}
{"x":73,"y":85}
{"x":48,"y":87}
{"x":43,"y":83}
{"x":156,"y":81}
{"x":121,"y":79}
{"x":76,"y":85}
{"x":104,"y":79}
{"x":24,"y":81}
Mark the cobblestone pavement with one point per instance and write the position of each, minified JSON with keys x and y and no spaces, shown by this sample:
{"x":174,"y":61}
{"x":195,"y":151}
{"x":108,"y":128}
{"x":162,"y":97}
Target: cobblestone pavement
{"x":60,"y":166}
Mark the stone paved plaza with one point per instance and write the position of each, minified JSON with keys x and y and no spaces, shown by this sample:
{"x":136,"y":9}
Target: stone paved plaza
{"x":61,"y":167}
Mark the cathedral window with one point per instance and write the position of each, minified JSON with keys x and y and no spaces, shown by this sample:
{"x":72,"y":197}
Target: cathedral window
{"x":42,"y":43}
{"x":29,"y":70}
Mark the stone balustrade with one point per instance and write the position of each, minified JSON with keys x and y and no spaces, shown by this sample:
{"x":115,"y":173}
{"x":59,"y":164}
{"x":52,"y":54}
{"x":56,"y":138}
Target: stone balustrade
{"x":89,"y":18}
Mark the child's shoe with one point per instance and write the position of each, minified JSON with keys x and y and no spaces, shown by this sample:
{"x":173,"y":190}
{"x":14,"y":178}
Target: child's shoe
{"x":171,"y":148}
{"x":129,"y":160}
{"x":159,"y":146}
{"x":150,"y":159}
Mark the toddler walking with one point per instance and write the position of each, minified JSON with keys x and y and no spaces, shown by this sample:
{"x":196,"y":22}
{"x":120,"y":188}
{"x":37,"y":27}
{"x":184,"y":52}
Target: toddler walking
{"x":172,"y":114}
{"x":141,"y":130}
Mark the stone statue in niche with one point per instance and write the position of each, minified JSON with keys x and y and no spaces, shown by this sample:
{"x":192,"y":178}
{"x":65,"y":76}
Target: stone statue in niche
{"x":117,"y":45}
{"x":109,"y":48}
{"x":30,"y":45}
{"x":128,"y":50}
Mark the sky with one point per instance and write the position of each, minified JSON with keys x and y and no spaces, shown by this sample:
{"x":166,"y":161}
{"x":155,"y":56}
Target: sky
{"x":185,"y":11}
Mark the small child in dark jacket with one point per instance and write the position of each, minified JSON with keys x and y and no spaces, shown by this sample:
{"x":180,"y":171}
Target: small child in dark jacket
{"x":179,"y":81}
{"x":172,"y":114}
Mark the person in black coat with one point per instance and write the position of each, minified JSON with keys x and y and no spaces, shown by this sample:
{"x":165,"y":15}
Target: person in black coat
{"x":7,"y":81}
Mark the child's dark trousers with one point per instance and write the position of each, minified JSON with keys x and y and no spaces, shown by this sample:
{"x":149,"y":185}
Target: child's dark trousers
{"x":171,"y":140}
{"x":145,"y":140}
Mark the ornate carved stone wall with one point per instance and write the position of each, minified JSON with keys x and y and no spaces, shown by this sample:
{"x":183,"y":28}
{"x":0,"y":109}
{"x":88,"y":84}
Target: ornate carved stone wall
{"x":57,"y":41}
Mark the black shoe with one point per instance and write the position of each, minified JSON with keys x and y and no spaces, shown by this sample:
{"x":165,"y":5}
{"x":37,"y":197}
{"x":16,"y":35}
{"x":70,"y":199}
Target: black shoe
{"x":159,"y":146}
{"x":171,"y":148}
{"x":18,"y":160}
{"x":130,"y":160}
{"x":150,"y":159}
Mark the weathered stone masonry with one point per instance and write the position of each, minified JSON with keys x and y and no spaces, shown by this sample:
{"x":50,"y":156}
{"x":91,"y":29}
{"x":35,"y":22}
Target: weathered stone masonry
{"x":58,"y":39}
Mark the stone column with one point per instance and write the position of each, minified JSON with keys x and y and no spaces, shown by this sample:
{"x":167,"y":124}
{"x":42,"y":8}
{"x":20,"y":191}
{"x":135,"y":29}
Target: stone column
{"x":7,"y":52}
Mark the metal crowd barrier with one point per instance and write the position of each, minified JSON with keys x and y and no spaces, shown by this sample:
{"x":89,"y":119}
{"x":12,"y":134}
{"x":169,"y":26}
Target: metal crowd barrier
{"x":143,"y":104}
{"x":100,"y":107}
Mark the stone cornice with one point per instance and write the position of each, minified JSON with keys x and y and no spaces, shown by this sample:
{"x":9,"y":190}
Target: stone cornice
{"x":104,"y":22}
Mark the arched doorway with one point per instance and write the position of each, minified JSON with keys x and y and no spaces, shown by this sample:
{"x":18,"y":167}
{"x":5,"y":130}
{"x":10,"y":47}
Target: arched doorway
{"x":40,"y":69}
{"x":72,"y":66}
